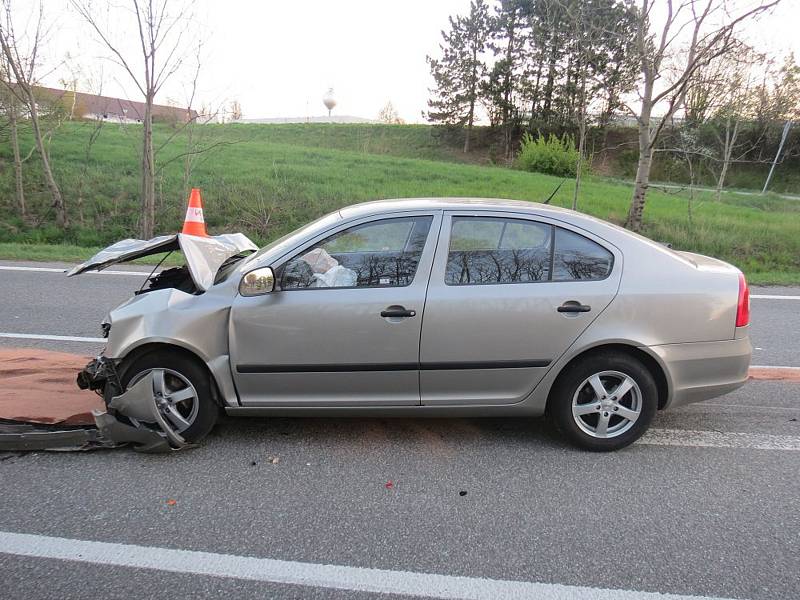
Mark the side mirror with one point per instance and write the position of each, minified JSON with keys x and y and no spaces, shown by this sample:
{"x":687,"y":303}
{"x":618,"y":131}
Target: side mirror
{"x":257,"y":282}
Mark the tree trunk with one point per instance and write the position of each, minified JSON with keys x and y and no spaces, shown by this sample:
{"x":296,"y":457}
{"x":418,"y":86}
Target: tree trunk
{"x":581,"y":141}
{"x":727,"y":151}
{"x":470,"y":120}
{"x":58,"y":200}
{"x":636,"y":211}
{"x":508,"y":85}
{"x":535,"y":95}
{"x":188,"y":159}
{"x":551,"y":75}
{"x":473,"y":92}
{"x":148,"y":173}
{"x":19,"y":189}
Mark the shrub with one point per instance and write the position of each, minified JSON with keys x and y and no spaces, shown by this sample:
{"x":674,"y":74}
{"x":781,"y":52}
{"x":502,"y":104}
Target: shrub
{"x":549,"y":155}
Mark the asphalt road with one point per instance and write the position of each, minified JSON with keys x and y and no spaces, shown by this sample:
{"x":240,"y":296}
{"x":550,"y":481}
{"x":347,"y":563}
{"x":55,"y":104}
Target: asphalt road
{"x":713,"y":514}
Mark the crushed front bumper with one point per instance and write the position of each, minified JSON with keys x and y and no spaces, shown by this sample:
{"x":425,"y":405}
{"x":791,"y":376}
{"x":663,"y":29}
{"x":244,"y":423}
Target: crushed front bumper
{"x":99,"y":373}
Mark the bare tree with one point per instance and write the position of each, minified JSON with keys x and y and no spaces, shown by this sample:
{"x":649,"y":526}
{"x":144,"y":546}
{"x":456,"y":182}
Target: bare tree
{"x":668,"y":67}
{"x":234,"y":111}
{"x":388,"y":114}
{"x":20,"y":64}
{"x":94,"y":83}
{"x":161,"y":27}
{"x":736,"y":106}
{"x":721,"y":103}
{"x":10,"y":106}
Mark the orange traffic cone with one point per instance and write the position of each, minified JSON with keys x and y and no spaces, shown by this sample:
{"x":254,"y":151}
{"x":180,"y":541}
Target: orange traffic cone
{"x":194,"y":224}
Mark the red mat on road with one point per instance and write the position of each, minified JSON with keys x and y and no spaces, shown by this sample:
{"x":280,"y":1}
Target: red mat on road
{"x":38,"y":386}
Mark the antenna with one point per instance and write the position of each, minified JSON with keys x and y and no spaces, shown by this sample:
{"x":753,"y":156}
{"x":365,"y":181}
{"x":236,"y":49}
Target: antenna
{"x":555,"y":191}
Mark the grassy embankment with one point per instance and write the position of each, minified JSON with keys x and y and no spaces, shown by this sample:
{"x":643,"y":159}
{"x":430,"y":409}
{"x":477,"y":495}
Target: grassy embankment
{"x":268,"y":179}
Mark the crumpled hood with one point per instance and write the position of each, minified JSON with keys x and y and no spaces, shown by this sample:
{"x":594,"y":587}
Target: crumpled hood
{"x":204,"y":255}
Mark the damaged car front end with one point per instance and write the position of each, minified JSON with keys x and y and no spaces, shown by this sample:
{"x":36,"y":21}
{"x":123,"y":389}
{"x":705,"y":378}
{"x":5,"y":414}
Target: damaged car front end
{"x":164,"y":372}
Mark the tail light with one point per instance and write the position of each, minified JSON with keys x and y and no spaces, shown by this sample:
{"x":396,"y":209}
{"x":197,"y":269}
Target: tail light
{"x":743,"y":307}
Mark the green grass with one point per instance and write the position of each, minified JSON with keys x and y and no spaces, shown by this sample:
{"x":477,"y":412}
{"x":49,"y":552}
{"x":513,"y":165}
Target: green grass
{"x":69,"y":253}
{"x":294,"y":173}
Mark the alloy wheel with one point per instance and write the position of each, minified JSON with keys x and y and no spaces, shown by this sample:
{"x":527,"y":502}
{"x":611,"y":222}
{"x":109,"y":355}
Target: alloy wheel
{"x":607,"y":404}
{"x":175,"y":397}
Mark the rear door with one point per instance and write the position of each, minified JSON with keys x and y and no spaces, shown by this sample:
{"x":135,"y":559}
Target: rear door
{"x":343,"y":325}
{"x":507,"y":296}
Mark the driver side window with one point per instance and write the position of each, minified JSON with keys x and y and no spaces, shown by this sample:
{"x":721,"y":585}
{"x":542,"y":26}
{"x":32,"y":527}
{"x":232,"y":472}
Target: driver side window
{"x":382,"y":253}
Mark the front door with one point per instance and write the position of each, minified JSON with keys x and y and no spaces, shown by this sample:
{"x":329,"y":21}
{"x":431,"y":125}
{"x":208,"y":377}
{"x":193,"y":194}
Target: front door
{"x":507,"y":296}
{"x":343,"y":325}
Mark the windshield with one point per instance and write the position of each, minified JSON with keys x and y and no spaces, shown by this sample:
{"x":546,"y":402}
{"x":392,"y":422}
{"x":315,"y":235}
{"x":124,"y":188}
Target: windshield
{"x":290,"y":239}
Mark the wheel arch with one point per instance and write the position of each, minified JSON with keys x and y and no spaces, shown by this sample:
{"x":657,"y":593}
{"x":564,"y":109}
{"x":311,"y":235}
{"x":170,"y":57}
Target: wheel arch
{"x":150,"y":347}
{"x":651,"y":363}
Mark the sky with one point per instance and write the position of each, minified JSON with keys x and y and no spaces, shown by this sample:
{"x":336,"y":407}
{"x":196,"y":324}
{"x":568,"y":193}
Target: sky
{"x":278,"y":58}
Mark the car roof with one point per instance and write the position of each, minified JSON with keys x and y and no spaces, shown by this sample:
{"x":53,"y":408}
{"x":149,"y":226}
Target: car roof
{"x":609,"y":231}
{"x":403,"y":204}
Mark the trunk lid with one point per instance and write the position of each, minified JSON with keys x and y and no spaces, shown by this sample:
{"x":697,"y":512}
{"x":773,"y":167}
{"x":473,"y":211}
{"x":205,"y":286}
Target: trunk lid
{"x":706,"y":263}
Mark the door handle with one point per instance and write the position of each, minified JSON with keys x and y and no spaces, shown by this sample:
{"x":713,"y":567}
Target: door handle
{"x":398,"y":311}
{"x":573,"y":307}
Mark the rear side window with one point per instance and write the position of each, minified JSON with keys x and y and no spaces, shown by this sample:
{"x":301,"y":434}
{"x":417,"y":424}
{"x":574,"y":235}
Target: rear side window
{"x":577,"y":257}
{"x":489,"y":250}
{"x":495,"y":250}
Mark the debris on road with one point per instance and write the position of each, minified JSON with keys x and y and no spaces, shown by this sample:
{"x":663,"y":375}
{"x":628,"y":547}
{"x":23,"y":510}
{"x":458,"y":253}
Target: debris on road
{"x":29,"y":437}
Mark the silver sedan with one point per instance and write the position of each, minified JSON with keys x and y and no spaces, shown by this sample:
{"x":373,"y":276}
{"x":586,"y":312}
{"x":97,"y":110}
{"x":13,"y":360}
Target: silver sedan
{"x":424,"y":307}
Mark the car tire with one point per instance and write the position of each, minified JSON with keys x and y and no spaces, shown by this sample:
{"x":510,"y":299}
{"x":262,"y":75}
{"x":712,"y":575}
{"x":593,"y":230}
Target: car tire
{"x":597,"y":417}
{"x":181,"y":373}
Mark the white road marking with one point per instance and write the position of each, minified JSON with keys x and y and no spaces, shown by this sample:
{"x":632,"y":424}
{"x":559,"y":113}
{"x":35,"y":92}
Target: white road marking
{"x":56,"y":270}
{"x":718,"y":439}
{"x":774,"y":367}
{"x":748,"y":407}
{"x":52,"y":338}
{"x":355,"y":579}
{"x":772,"y":297}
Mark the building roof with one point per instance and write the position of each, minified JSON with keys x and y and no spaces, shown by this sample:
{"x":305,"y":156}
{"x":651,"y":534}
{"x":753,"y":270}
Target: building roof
{"x":109,"y":107}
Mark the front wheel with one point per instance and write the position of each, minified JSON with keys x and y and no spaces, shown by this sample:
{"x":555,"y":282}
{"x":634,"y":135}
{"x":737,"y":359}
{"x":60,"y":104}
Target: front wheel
{"x":181,"y":389}
{"x":604,"y":402}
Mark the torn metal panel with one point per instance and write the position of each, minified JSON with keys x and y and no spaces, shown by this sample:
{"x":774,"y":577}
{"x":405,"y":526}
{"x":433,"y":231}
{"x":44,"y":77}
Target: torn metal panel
{"x":204,"y":255}
{"x":126,"y":250}
{"x":141,"y":404}
{"x":142,"y":439}
{"x":26,"y":437}
{"x":109,"y":433}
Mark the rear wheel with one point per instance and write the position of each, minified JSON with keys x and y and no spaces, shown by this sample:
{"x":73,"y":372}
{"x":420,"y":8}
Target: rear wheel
{"x":604,"y":402}
{"x":181,"y":389}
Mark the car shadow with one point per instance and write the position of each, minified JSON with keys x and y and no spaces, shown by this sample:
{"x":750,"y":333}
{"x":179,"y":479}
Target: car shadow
{"x":433,"y":432}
